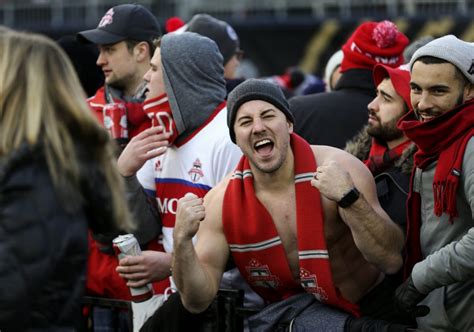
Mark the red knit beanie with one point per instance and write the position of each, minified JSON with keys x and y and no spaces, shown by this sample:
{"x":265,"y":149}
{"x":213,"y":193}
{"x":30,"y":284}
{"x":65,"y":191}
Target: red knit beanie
{"x":372,"y":43}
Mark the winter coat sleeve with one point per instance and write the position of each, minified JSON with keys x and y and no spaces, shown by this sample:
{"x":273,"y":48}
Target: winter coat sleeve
{"x":25,"y":244}
{"x":454,"y":262}
{"x":144,"y":211}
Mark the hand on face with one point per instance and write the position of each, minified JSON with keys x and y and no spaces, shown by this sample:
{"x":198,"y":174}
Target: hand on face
{"x":149,"y":144}
{"x":150,"y":266}
{"x":332,"y":180}
{"x":189,"y":214}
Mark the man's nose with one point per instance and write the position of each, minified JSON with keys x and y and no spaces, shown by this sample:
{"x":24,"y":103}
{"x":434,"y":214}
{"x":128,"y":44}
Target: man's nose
{"x":101,"y":59}
{"x":258,"y":125}
{"x":373,"y":106}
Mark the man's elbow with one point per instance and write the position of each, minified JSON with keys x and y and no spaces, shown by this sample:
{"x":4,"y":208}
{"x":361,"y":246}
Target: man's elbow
{"x":196,"y":306}
{"x":392,"y":264}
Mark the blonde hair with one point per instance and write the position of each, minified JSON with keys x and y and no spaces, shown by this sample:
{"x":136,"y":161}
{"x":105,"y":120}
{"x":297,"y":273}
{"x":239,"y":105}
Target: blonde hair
{"x":42,"y":103}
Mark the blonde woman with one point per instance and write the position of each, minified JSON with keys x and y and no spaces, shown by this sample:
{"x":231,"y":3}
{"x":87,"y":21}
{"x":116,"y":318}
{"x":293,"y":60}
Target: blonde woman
{"x":57,"y":178}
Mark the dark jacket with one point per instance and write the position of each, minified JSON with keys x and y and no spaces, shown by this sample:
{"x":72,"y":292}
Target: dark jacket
{"x":392,"y":190}
{"x":392,"y":185}
{"x":43,"y":241}
{"x":333,"y":118}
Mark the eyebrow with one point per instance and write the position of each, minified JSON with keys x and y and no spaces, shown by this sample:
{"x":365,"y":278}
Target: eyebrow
{"x":264,"y":112}
{"x":242,"y":117}
{"x":267,"y":111}
{"x":439,"y":87}
{"x":385,"y":94}
{"x":433,"y":87}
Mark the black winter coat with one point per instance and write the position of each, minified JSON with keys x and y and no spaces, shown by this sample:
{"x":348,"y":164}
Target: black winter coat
{"x":394,"y":183}
{"x":43,"y":243}
{"x":333,"y":118}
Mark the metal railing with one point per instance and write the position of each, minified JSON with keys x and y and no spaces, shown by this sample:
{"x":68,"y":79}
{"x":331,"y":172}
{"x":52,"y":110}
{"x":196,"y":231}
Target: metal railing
{"x":86,"y":13}
{"x":56,"y":13}
{"x":342,"y":9}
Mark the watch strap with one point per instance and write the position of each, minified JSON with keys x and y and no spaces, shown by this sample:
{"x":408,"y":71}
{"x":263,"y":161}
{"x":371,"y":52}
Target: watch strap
{"x":349,"y":198}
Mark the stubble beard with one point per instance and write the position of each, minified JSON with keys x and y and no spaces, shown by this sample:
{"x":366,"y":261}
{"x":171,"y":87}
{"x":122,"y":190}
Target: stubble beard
{"x":459,"y":101}
{"x":277,"y":164}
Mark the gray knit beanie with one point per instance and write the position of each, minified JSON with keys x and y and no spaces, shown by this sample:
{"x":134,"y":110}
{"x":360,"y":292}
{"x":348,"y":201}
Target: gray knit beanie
{"x":451,"y":49}
{"x":255,"y":89}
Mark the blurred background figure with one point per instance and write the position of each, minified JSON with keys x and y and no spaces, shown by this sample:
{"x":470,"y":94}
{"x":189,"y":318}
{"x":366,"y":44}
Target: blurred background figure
{"x":83,"y":58}
{"x":227,"y":41}
{"x":57,"y":178}
{"x":414,"y":45}
{"x":332,"y":72}
{"x":295,"y":82}
{"x":224,"y":35}
{"x":332,"y":118}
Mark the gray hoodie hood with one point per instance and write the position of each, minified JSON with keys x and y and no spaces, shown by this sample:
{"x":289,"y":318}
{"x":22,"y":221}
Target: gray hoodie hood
{"x":193,"y":74}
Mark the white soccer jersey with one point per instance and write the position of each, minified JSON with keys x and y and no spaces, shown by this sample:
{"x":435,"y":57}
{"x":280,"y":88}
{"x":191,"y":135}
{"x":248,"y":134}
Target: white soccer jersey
{"x":194,"y":166}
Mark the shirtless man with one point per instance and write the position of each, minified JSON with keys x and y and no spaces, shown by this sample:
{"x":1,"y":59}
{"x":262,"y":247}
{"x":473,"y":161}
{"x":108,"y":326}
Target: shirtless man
{"x":298,"y":185}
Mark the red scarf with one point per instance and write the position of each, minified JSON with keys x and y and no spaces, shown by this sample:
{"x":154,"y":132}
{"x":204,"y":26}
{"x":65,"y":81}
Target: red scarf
{"x":159,"y":111}
{"x":382,"y":158}
{"x":443,"y":138}
{"x":241,"y":204}
{"x":137,"y":121}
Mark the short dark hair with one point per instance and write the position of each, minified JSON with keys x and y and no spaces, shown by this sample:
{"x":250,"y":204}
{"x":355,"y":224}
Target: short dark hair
{"x":131,"y":43}
{"x":157,"y":42}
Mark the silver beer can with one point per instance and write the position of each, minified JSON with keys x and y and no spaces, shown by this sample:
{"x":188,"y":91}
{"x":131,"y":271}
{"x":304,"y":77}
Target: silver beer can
{"x":128,"y":245}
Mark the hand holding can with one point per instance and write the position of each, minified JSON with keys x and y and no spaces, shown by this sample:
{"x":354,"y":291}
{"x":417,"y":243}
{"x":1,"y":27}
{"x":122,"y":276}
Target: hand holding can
{"x":115,"y":121}
{"x":128,"y":245}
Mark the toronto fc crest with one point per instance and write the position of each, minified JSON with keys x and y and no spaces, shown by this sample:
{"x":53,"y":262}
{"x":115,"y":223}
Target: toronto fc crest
{"x":310,"y":284}
{"x":261,"y":276}
{"x":107,"y":19}
{"x":158,"y":167}
{"x":195,"y":173}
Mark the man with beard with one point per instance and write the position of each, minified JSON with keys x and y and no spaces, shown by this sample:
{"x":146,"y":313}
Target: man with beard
{"x":332,"y":118}
{"x":440,"y":239}
{"x":298,"y":220}
{"x":124,"y":37}
{"x":385,"y":150}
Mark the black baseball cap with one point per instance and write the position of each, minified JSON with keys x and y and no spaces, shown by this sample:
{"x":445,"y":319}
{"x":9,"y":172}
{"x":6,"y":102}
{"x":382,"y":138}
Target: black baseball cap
{"x":128,"y":21}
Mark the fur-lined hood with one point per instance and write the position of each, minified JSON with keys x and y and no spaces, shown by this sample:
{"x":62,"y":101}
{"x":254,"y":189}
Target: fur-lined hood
{"x":360,"y":145}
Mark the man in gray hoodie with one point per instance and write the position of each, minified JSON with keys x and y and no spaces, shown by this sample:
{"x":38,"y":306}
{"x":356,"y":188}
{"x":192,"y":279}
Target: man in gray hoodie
{"x":187,"y":150}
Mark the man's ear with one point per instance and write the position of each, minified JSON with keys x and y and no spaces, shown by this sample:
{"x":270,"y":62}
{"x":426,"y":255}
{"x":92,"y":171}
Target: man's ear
{"x":290,"y":127}
{"x":141,"y":51}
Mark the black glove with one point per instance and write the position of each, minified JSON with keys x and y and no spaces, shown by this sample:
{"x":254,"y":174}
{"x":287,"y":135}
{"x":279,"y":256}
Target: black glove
{"x":407,"y":297}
